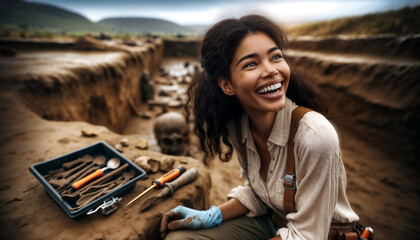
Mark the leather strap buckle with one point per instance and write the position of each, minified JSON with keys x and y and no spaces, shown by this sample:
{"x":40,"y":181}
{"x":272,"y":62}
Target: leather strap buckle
{"x":289,"y":181}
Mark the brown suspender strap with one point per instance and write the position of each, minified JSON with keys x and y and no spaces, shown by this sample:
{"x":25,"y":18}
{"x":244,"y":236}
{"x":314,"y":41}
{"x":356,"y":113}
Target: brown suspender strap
{"x":289,"y":182}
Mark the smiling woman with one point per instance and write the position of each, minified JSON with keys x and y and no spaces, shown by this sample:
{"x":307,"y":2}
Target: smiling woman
{"x":249,"y":99}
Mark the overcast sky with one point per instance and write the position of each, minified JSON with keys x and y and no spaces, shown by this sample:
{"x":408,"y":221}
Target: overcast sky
{"x":187,"y":12}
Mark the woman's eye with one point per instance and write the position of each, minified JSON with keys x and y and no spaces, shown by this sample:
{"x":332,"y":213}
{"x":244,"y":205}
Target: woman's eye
{"x":250,"y":64}
{"x":277,"y":57}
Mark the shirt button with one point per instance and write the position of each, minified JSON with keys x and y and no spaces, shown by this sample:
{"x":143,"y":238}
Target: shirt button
{"x":266,"y":196}
{"x":272,"y":158}
{"x":271,"y":171}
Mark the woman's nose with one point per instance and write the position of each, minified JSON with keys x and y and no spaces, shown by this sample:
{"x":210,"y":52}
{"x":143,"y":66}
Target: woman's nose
{"x":268,"y":70}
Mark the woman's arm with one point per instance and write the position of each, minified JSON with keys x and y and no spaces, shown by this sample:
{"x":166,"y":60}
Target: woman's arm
{"x":183,"y":217}
{"x":232,"y":209}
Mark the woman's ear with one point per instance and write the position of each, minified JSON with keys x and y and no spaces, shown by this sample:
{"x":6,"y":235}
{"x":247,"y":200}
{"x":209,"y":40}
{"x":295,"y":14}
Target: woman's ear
{"x":226,"y":86}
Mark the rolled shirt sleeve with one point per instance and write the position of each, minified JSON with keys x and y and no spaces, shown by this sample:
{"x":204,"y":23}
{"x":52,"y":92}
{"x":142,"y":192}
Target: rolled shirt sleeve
{"x":318,"y":161}
{"x":247,"y":197}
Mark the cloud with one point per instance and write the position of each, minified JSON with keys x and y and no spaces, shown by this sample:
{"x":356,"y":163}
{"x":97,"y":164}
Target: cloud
{"x":210,"y":11}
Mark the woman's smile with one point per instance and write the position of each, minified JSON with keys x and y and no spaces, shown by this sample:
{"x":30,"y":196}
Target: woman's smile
{"x":271,"y":90}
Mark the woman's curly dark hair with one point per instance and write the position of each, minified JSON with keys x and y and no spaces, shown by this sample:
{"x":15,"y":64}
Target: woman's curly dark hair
{"x":211,"y":108}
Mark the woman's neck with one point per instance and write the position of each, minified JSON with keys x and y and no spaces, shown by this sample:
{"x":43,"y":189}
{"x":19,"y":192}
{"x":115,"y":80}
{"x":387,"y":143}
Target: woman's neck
{"x":262,"y":124}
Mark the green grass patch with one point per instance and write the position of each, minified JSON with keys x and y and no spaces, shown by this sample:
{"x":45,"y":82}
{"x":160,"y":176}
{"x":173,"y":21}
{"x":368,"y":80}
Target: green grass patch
{"x":405,"y":21}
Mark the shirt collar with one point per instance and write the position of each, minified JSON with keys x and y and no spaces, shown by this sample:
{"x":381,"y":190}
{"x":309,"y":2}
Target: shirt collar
{"x":280,"y":133}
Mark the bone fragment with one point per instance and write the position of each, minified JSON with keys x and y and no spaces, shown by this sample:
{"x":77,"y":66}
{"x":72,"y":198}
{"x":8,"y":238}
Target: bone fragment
{"x":119,"y":147}
{"x":86,"y":132}
{"x":167,"y":163}
{"x":142,"y":143}
{"x":154,"y":165}
{"x":124,"y":142}
{"x":143,"y":163}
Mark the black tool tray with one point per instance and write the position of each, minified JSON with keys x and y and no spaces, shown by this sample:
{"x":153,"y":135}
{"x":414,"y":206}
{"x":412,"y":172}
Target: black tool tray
{"x":100,"y":148}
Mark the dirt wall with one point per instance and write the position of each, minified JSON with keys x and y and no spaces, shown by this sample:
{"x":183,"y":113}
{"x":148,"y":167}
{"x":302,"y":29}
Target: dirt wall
{"x":103,"y":93}
{"x":181,"y":47}
{"x":39,"y":44}
{"x":375,"y":98}
{"x":388,"y":46}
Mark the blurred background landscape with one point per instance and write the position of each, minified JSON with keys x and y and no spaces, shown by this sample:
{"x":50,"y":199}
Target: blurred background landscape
{"x":63,"y":18}
{"x":67,"y":65}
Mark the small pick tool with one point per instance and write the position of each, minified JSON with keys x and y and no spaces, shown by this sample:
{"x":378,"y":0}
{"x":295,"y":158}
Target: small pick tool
{"x":158,"y":183}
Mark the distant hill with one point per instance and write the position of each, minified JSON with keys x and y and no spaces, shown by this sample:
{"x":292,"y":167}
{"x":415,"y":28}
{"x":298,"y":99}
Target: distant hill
{"x":404,"y":21}
{"x":21,"y":16}
{"x":25,"y":16}
{"x":144,"y":25}
{"x":198,"y":28}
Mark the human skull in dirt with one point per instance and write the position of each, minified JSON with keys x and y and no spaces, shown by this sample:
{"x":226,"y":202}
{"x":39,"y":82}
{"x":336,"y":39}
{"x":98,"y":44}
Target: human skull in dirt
{"x":171,"y":132}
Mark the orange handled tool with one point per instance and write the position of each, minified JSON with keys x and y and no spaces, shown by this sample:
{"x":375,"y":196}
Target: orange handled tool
{"x":113,"y":163}
{"x":158,"y":183}
{"x":98,"y":173}
{"x":367,"y":232}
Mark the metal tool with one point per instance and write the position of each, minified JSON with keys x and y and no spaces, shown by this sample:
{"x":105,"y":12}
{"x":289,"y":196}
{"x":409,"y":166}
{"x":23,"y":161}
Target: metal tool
{"x":71,"y":164}
{"x":70,"y":194}
{"x":170,"y":188}
{"x":113,"y":163}
{"x":158,"y":183}
{"x":107,"y":207}
{"x":63,"y":183}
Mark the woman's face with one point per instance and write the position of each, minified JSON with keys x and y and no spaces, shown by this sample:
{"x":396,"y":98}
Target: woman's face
{"x":259,"y":75}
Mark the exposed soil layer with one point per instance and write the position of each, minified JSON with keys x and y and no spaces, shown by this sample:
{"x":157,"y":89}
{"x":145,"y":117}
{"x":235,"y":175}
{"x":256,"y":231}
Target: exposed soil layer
{"x":374,"y":97}
{"x":389,"y":46}
{"x":100,"y":84}
{"x":181,"y":48}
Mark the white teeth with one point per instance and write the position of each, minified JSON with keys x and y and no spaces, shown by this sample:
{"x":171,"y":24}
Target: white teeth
{"x":269,"y":88}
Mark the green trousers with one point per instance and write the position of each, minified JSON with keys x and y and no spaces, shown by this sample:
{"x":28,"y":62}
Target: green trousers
{"x":241,"y":228}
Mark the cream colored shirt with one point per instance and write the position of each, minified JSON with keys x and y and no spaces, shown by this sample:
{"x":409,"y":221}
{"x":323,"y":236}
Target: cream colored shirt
{"x":320,"y":175}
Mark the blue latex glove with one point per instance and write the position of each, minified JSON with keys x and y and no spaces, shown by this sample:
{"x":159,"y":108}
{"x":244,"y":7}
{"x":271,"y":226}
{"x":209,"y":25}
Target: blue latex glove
{"x":183,"y":217}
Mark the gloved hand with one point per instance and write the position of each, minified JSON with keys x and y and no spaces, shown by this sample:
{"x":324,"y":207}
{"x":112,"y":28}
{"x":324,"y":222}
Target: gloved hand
{"x":183,"y":217}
